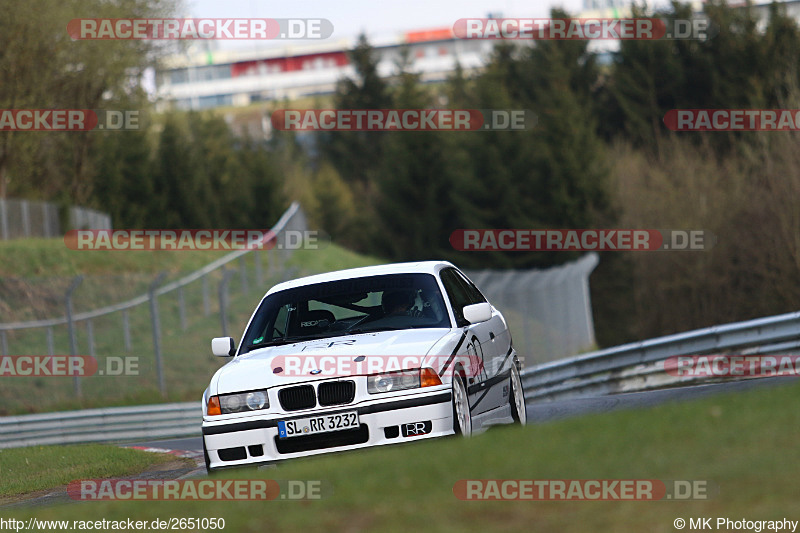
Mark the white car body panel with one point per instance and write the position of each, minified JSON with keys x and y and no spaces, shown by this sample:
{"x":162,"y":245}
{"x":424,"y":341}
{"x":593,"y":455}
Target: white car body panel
{"x":251,"y":437}
{"x":247,"y":372}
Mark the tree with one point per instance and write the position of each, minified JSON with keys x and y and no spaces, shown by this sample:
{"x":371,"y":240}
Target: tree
{"x":740,"y":67}
{"x":357,"y":155}
{"x":42,"y":68}
{"x":550,"y":176}
{"x":415,"y":182}
{"x":123,"y":184}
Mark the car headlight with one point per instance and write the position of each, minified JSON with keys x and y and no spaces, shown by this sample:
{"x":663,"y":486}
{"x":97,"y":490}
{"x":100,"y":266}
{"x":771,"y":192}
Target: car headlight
{"x":238,"y":403}
{"x":404,"y":379}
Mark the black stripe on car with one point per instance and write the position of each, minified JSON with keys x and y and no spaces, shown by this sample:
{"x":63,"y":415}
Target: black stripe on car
{"x":453,"y":355}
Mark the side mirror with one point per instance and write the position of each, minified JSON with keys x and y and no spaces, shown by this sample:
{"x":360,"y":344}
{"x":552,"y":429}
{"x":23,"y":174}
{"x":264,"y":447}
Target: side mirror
{"x":223,"y":347}
{"x":478,"y":312}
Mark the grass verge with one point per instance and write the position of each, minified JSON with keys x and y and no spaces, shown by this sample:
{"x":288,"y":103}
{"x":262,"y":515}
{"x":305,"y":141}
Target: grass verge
{"x":741,"y":443}
{"x":24,"y":470}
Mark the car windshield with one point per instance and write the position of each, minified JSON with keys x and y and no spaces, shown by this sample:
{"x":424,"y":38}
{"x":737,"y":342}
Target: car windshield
{"x":358,"y":305}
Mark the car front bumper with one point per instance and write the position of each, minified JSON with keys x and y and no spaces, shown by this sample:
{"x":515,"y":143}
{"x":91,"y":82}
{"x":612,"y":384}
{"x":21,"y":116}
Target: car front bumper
{"x":254,"y":440}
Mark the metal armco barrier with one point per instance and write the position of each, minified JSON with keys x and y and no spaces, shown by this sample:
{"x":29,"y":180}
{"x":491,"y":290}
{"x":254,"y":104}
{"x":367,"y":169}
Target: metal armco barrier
{"x":640,"y":365}
{"x":102,"y":425}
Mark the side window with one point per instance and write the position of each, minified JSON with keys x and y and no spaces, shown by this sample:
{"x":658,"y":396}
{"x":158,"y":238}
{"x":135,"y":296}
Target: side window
{"x":475,"y":296}
{"x":457,"y":293}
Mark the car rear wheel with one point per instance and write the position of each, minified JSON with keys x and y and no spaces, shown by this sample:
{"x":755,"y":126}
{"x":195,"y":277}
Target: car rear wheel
{"x":517,"y":397}
{"x":462,"y":419}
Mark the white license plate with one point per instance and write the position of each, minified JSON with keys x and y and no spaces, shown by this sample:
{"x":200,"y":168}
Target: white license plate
{"x":298,"y":427}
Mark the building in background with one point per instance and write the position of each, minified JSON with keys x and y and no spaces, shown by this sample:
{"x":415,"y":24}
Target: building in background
{"x":204,"y":78}
{"x":207,"y":79}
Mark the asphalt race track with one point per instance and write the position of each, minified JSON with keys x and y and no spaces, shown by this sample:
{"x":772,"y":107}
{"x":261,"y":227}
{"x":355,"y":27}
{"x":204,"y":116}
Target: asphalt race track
{"x":546,"y":411}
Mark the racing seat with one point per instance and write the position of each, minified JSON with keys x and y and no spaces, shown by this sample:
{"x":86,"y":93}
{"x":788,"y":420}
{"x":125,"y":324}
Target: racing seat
{"x":316,"y":321}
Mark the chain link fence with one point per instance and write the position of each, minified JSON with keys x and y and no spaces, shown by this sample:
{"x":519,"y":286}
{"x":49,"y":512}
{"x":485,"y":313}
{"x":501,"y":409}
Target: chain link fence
{"x":25,"y":218}
{"x":549,"y":311}
{"x":155,"y":337}
{"x":149,"y":334}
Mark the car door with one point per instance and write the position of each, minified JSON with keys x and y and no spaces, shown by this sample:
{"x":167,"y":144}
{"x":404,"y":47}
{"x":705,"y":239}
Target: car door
{"x":479,"y":338}
{"x":495,"y":389}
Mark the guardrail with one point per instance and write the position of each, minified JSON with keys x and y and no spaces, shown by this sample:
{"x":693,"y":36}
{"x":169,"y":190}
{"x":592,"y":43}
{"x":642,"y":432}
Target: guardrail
{"x":626,"y":368}
{"x":112,"y":424}
{"x":640,"y":365}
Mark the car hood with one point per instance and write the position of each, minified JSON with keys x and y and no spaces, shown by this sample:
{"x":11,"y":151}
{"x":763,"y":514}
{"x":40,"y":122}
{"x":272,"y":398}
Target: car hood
{"x":259,"y":369}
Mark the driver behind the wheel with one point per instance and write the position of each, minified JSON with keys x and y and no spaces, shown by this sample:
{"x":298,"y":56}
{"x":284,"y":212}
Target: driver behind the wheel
{"x":398,"y":302}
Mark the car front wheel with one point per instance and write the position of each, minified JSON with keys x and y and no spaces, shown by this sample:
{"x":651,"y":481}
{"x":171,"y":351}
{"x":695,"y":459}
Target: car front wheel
{"x":462,"y":419}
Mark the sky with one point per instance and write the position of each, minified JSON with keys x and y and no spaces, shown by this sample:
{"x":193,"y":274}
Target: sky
{"x":378,"y":18}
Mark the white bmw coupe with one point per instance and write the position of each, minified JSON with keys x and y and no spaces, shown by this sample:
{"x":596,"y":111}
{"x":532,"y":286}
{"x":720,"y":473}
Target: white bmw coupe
{"x":357,"y":358}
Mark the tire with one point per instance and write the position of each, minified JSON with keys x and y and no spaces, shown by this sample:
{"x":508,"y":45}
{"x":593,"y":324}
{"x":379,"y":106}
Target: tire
{"x":205,"y":456}
{"x":462,"y":419}
{"x":516,"y":397}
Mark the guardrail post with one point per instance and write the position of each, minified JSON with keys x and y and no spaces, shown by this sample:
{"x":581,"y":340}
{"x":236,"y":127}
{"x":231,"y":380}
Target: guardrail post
{"x":243,"y":274}
{"x":223,"y":300}
{"x":156,"y":324}
{"x":73,"y":340}
{"x":50,"y":343}
{"x":126,"y":330}
{"x":26,"y":218}
{"x":277,"y":249}
{"x":289,"y":273}
{"x":206,"y":302}
{"x":283,"y":250}
{"x":46,"y":220}
{"x":182,"y":308}
{"x":3,"y":219}
{"x":258,"y":272}
{"x":90,"y":336}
